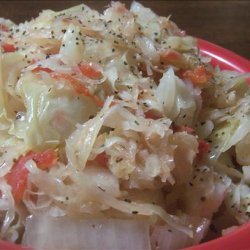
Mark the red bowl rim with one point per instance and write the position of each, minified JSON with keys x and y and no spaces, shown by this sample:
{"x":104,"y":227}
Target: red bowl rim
{"x":238,"y":239}
{"x":224,"y":58}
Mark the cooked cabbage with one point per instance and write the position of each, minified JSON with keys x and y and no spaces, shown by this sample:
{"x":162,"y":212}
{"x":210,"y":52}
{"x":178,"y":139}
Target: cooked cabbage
{"x":43,"y":232}
{"x":115,"y":118}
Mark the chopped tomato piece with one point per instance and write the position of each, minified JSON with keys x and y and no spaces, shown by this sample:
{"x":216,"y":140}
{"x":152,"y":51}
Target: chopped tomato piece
{"x":8,"y":47}
{"x":182,"y":128}
{"x":170,"y":56}
{"x":203,"y":148}
{"x":150,"y":115}
{"x":90,"y":71}
{"x":102,"y":159}
{"x":39,"y":68}
{"x":180,"y":73}
{"x":173,"y":55}
{"x":77,"y":85}
{"x":4,"y":28}
{"x":18,"y":176}
{"x":45,"y":159}
{"x":199,"y":76}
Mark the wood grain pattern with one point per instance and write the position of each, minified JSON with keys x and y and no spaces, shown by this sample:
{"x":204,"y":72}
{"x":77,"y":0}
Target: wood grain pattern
{"x":226,"y":23}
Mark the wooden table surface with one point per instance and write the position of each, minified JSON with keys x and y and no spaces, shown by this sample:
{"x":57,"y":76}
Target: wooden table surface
{"x":226,"y":23}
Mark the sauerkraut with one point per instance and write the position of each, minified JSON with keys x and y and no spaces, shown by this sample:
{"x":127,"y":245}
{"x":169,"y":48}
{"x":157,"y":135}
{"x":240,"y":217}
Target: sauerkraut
{"x":116,"y":118}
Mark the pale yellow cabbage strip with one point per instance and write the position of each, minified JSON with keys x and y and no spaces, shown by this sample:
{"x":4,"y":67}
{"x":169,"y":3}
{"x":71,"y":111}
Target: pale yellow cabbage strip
{"x":81,"y":141}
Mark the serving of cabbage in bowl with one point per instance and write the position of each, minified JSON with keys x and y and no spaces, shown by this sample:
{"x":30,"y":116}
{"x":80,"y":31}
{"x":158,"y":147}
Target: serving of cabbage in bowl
{"x":116,"y":133}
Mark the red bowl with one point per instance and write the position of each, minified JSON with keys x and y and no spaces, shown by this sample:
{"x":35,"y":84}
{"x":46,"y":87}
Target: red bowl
{"x":239,"y":239}
{"x":226,"y":59}
{"x":236,"y":240}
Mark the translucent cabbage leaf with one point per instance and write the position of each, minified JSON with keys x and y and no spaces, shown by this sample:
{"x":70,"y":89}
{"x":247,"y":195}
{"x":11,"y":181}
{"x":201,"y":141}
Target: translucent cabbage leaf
{"x":242,"y":150}
{"x":49,"y":119}
{"x":176,"y":97}
{"x":237,"y":202}
{"x":72,"y":46}
{"x":81,"y":141}
{"x":232,"y":129}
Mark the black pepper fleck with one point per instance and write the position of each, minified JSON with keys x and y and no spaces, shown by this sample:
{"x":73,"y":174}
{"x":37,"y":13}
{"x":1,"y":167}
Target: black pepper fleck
{"x":203,"y":198}
{"x":136,"y":122}
{"x":118,"y":160}
{"x":101,"y":188}
{"x":127,"y":200}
